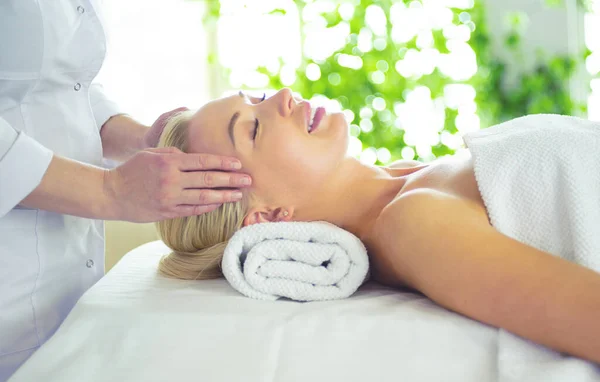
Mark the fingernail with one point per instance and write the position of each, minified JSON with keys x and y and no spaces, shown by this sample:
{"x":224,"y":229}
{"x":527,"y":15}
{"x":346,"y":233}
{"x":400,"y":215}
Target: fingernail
{"x":245,"y":181}
{"x":236,"y":165}
{"x":237,"y":195}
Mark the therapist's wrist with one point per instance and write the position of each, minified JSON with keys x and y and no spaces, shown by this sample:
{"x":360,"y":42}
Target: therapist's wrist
{"x":122,"y":136}
{"x":110,"y":198}
{"x":135,"y":132}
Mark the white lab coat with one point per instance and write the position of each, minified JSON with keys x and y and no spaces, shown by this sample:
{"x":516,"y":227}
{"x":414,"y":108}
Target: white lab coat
{"x":50,"y":52}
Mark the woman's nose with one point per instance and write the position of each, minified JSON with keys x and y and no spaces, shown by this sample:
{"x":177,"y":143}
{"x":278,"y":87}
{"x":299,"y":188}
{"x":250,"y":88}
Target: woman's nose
{"x":285,"y":101}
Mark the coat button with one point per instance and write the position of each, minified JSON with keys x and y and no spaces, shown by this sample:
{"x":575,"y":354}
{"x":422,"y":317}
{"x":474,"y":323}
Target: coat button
{"x":81,"y":9}
{"x":89,"y":263}
{"x":77,"y":87}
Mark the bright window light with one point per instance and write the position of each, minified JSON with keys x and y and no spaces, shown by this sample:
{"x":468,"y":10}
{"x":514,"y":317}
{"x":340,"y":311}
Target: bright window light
{"x":250,"y":36}
{"x":157,"y":56}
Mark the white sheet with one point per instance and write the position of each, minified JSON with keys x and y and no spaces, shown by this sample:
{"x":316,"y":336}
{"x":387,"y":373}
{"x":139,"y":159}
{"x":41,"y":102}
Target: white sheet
{"x":134,"y":325}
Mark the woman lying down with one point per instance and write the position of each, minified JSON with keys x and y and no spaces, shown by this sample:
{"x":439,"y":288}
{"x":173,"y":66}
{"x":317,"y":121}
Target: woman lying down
{"x":429,"y":227}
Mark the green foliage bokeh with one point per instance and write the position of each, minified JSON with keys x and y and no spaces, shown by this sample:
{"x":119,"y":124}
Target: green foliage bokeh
{"x":543,"y":90}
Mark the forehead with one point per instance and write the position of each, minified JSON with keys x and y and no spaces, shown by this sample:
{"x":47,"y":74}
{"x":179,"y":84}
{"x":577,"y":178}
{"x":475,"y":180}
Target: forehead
{"x":208,"y":128}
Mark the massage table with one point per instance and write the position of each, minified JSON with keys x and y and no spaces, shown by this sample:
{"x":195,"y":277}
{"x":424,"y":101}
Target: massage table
{"x":137,"y":326}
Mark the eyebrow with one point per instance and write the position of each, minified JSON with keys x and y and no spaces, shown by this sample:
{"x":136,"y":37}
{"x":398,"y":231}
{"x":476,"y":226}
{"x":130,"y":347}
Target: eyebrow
{"x":233,"y":120}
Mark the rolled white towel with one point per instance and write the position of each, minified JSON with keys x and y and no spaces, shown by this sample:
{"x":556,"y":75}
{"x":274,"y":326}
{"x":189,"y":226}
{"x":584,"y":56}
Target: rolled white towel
{"x":302,"y":261}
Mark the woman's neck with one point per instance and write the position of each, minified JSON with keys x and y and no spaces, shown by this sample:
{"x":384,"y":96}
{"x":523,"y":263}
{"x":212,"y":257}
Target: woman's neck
{"x":356,"y":195}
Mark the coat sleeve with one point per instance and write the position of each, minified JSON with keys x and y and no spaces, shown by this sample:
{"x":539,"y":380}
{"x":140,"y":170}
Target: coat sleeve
{"x":102,"y":107}
{"x":23,"y":163}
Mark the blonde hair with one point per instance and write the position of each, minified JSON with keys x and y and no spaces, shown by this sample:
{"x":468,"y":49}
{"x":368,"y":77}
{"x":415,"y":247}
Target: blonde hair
{"x":197,"y":242}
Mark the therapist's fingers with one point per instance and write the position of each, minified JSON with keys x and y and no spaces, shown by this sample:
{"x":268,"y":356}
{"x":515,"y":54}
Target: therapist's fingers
{"x":197,"y":162}
{"x":208,"y":197}
{"x":164,"y":117}
{"x":152,"y":135}
{"x":214,"y":179}
{"x":164,"y":150}
{"x":151,"y":185}
{"x":160,"y":123}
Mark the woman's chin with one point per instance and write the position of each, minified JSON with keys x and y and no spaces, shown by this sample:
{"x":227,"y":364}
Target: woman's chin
{"x":338,"y":120}
{"x":339,"y":131}
{"x":333,"y":130}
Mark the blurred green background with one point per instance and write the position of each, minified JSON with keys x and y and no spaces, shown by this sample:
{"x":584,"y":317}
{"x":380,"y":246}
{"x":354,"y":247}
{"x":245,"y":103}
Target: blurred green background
{"x":410,"y":75}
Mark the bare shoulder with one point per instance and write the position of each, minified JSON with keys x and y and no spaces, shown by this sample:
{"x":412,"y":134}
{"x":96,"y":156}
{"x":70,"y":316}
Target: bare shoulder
{"x":442,"y":246}
{"x":420,"y":224}
{"x":427,"y":211}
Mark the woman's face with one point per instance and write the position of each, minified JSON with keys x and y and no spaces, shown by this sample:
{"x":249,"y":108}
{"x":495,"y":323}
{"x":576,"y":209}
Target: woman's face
{"x":271,"y":137}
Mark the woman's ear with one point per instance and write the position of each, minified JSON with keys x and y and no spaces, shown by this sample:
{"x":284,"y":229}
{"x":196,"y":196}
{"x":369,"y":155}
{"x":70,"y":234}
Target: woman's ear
{"x":268,"y":215}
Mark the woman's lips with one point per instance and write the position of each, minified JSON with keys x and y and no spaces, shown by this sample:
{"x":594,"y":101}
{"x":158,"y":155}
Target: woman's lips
{"x":319,"y":114}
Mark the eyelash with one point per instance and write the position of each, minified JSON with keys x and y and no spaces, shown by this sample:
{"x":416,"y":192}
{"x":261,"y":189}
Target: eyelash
{"x":256,"y":123}
{"x":255,"y":129}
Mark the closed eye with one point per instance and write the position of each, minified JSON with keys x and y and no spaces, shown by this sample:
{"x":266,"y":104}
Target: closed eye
{"x":256,"y":122}
{"x":256,"y":126}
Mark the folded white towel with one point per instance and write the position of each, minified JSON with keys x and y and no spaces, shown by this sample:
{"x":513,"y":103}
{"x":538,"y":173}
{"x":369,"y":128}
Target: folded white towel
{"x":302,"y":261}
{"x":539,"y":177}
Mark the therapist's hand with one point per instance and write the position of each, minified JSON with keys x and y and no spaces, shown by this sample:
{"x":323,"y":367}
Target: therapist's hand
{"x":164,"y":183}
{"x":152,"y":135}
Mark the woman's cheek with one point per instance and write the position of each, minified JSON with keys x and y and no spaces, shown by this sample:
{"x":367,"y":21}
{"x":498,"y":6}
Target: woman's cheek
{"x":299,"y":156}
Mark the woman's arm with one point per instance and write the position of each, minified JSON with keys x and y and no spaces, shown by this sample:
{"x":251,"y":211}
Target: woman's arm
{"x":449,"y":252}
